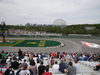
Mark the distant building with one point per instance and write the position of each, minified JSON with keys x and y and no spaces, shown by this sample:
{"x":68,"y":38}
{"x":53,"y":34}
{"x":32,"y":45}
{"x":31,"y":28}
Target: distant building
{"x":28,"y":24}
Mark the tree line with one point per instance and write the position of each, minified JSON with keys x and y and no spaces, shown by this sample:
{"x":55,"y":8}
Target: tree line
{"x":69,"y":29}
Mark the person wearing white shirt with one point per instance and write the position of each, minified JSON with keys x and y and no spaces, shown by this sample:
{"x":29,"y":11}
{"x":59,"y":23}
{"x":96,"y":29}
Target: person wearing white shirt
{"x":76,"y":66}
{"x":55,"y":67}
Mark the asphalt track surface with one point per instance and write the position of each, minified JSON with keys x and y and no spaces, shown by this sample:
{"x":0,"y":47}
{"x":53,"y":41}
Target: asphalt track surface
{"x":71,"y":46}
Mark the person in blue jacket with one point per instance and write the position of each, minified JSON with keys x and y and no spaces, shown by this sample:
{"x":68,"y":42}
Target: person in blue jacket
{"x":62,"y":66}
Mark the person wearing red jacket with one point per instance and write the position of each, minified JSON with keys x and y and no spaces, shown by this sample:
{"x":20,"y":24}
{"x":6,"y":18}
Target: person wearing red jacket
{"x":55,"y":54}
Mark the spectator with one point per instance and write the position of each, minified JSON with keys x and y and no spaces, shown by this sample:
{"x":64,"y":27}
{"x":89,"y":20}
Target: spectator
{"x":71,"y":70}
{"x":52,"y":61}
{"x":76,"y":66}
{"x":3,"y":61}
{"x":14,"y":57}
{"x":55,"y":54}
{"x":20,"y":54}
{"x":41,"y":68}
{"x":69,"y":60}
{"x":15,"y":64}
{"x":86,"y":58}
{"x":38,"y":60}
{"x":31,"y":59}
{"x":61,"y":56}
{"x":82,"y":58}
{"x":47,"y":71}
{"x":97,"y":67}
{"x":33,"y":67}
{"x":9,"y":71}
{"x":24,"y":72}
{"x":3,"y":55}
{"x":1,"y":66}
{"x":0,"y":55}
{"x":9,"y":63}
{"x":95,"y":58}
{"x":66,"y":62}
{"x":1,"y":73}
{"x":27,"y":58}
{"x":2,"y":51}
{"x":41,"y":56}
{"x":55,"y":67}
{"x":58,"y":53}
{"x":24,"y":64}
{"x":4,"y":68}
{"x":62,"y":66}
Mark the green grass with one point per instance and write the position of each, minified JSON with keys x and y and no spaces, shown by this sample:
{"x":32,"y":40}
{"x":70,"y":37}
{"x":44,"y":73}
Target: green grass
{"x":27,"y":43}
{"x":50,"y":43}
{"x":31,"y":43}
{"x":11,"y":44}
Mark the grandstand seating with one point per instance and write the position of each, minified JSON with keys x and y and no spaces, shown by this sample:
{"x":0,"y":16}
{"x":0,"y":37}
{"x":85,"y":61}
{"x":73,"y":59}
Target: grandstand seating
{"x":30,"y":33}
{"x":85,"y":69}
{"x":90,"y":64}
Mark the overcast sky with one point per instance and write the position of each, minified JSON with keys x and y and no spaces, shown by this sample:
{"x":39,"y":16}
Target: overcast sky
{"x":47,"y":11}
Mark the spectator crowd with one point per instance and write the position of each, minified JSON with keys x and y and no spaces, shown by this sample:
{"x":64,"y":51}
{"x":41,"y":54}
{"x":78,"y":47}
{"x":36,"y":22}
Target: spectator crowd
{"x":11,"y":62}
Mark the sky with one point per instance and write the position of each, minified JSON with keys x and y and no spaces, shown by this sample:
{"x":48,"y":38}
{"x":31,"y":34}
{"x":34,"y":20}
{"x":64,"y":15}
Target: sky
{"x":15,"y":12}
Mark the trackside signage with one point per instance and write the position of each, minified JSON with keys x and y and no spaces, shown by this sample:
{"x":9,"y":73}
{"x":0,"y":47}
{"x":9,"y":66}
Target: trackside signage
{"x":91,"y":45}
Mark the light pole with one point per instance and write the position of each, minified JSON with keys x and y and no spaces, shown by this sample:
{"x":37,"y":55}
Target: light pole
{"x":2,"y":27}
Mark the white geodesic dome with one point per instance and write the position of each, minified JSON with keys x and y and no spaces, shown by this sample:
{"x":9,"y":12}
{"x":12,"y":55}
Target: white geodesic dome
{"x":59,"y":22}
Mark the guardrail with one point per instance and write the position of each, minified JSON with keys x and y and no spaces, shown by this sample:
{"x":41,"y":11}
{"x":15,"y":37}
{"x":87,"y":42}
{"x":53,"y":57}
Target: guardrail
{"x":51,"y":37}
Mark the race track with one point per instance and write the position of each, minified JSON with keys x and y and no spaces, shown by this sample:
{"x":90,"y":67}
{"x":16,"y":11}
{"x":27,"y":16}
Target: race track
{"x":71,"y":46}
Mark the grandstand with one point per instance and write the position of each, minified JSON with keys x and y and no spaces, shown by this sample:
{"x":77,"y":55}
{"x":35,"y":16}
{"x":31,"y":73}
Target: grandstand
{"x":19,"y":32}
{"x":79,"y":35}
